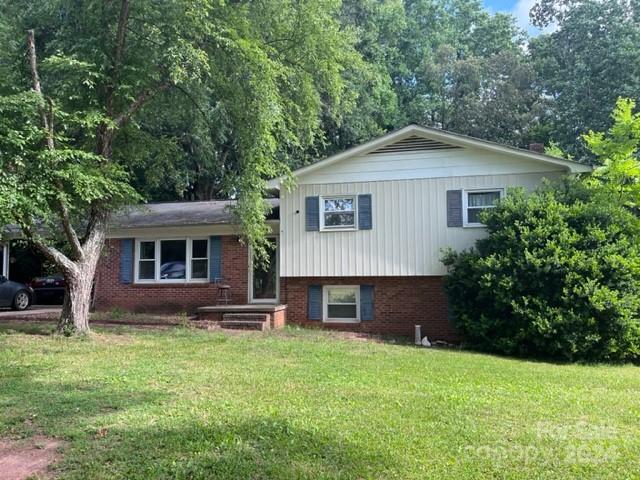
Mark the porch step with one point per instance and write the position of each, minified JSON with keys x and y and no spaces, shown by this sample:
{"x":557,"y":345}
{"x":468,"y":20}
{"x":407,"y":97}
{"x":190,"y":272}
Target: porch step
{"x":245,"y":321}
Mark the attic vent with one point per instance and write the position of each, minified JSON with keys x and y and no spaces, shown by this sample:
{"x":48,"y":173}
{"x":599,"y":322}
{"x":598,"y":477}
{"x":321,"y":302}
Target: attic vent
{"x":413,"y":144}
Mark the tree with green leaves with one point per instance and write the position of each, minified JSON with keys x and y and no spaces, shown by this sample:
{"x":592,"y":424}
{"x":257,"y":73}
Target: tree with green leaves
{"x":77,"y":128}
{"x":558,"y":274}
{"x":462,"y":69}
{"x":617,"y":152}
{"x":591,"y":59}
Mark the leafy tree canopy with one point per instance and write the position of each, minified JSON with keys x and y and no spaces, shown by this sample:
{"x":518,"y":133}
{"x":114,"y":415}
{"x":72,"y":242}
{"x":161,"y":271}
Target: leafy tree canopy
{"x":115,"y":91}
{"x":559,"y":273}
{"x":238,"y":85}
{"x":586,"y":64}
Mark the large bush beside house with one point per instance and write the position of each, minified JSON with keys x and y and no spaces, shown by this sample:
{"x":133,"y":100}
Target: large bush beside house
{"x":558,"y":276}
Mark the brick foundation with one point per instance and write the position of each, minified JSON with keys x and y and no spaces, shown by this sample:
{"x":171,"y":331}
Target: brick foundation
{"x":174,"y":297}
{"x":400,"y":304}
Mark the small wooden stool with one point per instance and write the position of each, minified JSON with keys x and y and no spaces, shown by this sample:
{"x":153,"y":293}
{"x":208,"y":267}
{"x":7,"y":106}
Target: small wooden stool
{"x":224,"y":293}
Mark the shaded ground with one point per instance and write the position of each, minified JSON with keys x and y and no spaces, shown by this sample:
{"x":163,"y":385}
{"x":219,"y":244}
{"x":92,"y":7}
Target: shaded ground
{"x":30,"y":458}
{"x":36,"y":312}
{"x":48,"y":314}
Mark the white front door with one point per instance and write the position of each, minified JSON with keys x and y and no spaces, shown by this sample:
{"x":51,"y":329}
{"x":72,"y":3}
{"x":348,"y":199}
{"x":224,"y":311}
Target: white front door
{"x":264,"y":280}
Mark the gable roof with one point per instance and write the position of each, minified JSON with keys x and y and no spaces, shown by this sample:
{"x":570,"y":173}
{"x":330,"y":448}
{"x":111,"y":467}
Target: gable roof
{"x":418,"y":138}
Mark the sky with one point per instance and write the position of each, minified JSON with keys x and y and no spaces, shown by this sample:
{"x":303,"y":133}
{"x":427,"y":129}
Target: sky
{"x":519,"y":9}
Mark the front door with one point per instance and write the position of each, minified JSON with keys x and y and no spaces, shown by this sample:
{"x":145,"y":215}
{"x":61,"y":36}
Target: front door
{"x":264,"y":282}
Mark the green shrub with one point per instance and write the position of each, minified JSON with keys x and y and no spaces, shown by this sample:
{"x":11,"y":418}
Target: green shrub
{"x":557,"y":277}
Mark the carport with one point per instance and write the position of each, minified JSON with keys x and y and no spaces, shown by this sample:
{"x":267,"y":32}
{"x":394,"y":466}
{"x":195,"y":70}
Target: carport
{"x":22,"y":263}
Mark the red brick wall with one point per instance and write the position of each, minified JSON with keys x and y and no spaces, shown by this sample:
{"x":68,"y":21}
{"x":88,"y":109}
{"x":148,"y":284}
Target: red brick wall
{"x":279,"y":318}
{"x":173,"y":297}
{"x":400,"y":303}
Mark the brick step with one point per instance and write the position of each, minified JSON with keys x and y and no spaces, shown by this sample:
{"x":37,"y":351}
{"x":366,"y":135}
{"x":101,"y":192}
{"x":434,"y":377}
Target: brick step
{"x":244,"y":324}
{"x":246,"y":317}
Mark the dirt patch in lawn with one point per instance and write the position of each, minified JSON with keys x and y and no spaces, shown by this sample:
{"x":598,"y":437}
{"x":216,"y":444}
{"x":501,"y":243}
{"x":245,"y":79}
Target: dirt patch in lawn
{"x":28,"y":458}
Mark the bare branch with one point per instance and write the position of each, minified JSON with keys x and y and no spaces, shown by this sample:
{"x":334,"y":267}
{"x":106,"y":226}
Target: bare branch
{"x":69,"y":230}
{"x":35,"y":78}
{"x":123,"y":20}
{"x":192,"y":100}
{"x":140,"y":101}
{"x":51,"y":253}
{"x":120,"y":36}
{"x":47,"y":123}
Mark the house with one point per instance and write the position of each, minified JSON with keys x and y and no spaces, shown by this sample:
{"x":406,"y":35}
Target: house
{"x":356,"y":243}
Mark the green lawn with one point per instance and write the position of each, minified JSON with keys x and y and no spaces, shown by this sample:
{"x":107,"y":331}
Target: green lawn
{"x":300,"y":404}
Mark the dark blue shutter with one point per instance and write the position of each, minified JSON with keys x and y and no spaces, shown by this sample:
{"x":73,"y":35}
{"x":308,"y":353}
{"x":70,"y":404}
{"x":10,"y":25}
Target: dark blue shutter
{"x":126,"y":260}
{"x":366,"y":302}
{"x":454,"y":208}
{"x":312,"y":213}
{"x":215,"y":258}
{"x":365,"y":221}
{"x":314,"y":302}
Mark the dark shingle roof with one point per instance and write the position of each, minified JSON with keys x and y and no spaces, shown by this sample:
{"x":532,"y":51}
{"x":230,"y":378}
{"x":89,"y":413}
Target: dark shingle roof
{"x":175,"y":214}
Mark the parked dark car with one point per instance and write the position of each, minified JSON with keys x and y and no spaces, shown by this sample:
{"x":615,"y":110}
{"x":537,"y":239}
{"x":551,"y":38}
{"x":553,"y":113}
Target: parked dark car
{"x":172,"y":270}
{"x":15,"y":295}
{"x":49,"y":289}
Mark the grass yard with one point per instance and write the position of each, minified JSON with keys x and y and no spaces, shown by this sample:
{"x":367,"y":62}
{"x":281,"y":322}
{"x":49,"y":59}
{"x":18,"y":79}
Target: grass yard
{"x":302,"y":404}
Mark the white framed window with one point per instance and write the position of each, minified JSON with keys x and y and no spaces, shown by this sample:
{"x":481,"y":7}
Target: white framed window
{"x":341,"y":303}
{"x":146,"y":260}
{"x":476,"y":201}
{"x":338,"y":212}
{"x":176,"y":260}
{"x":199,"y":259}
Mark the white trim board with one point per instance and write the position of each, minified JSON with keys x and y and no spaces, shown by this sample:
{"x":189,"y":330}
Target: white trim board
{"x":5,"y":259}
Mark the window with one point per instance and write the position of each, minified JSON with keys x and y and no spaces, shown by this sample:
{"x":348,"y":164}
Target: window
{"x":147,"y":262}
{"x":476,"y":201}
{"x":338,"y":213}
{"x":341,"y":303}
{"x":174,"y":260}
{"x":199,"y":259}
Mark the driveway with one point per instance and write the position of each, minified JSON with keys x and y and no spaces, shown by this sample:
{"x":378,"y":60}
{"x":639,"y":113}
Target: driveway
{"x":36,"y":312}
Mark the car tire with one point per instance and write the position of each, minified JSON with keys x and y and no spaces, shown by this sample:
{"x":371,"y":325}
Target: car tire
{"x":21,"y":300}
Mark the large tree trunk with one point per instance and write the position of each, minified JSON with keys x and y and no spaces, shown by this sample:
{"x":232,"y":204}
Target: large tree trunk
{"x":75,"y":310}
{"x":79,"y":282}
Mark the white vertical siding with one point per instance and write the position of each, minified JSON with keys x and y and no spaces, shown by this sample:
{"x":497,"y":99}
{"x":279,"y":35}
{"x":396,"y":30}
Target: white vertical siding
{"x":409,"y":227}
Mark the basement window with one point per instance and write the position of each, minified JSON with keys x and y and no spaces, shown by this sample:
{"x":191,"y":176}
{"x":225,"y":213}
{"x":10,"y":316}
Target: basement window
{"x":341,"y":303}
